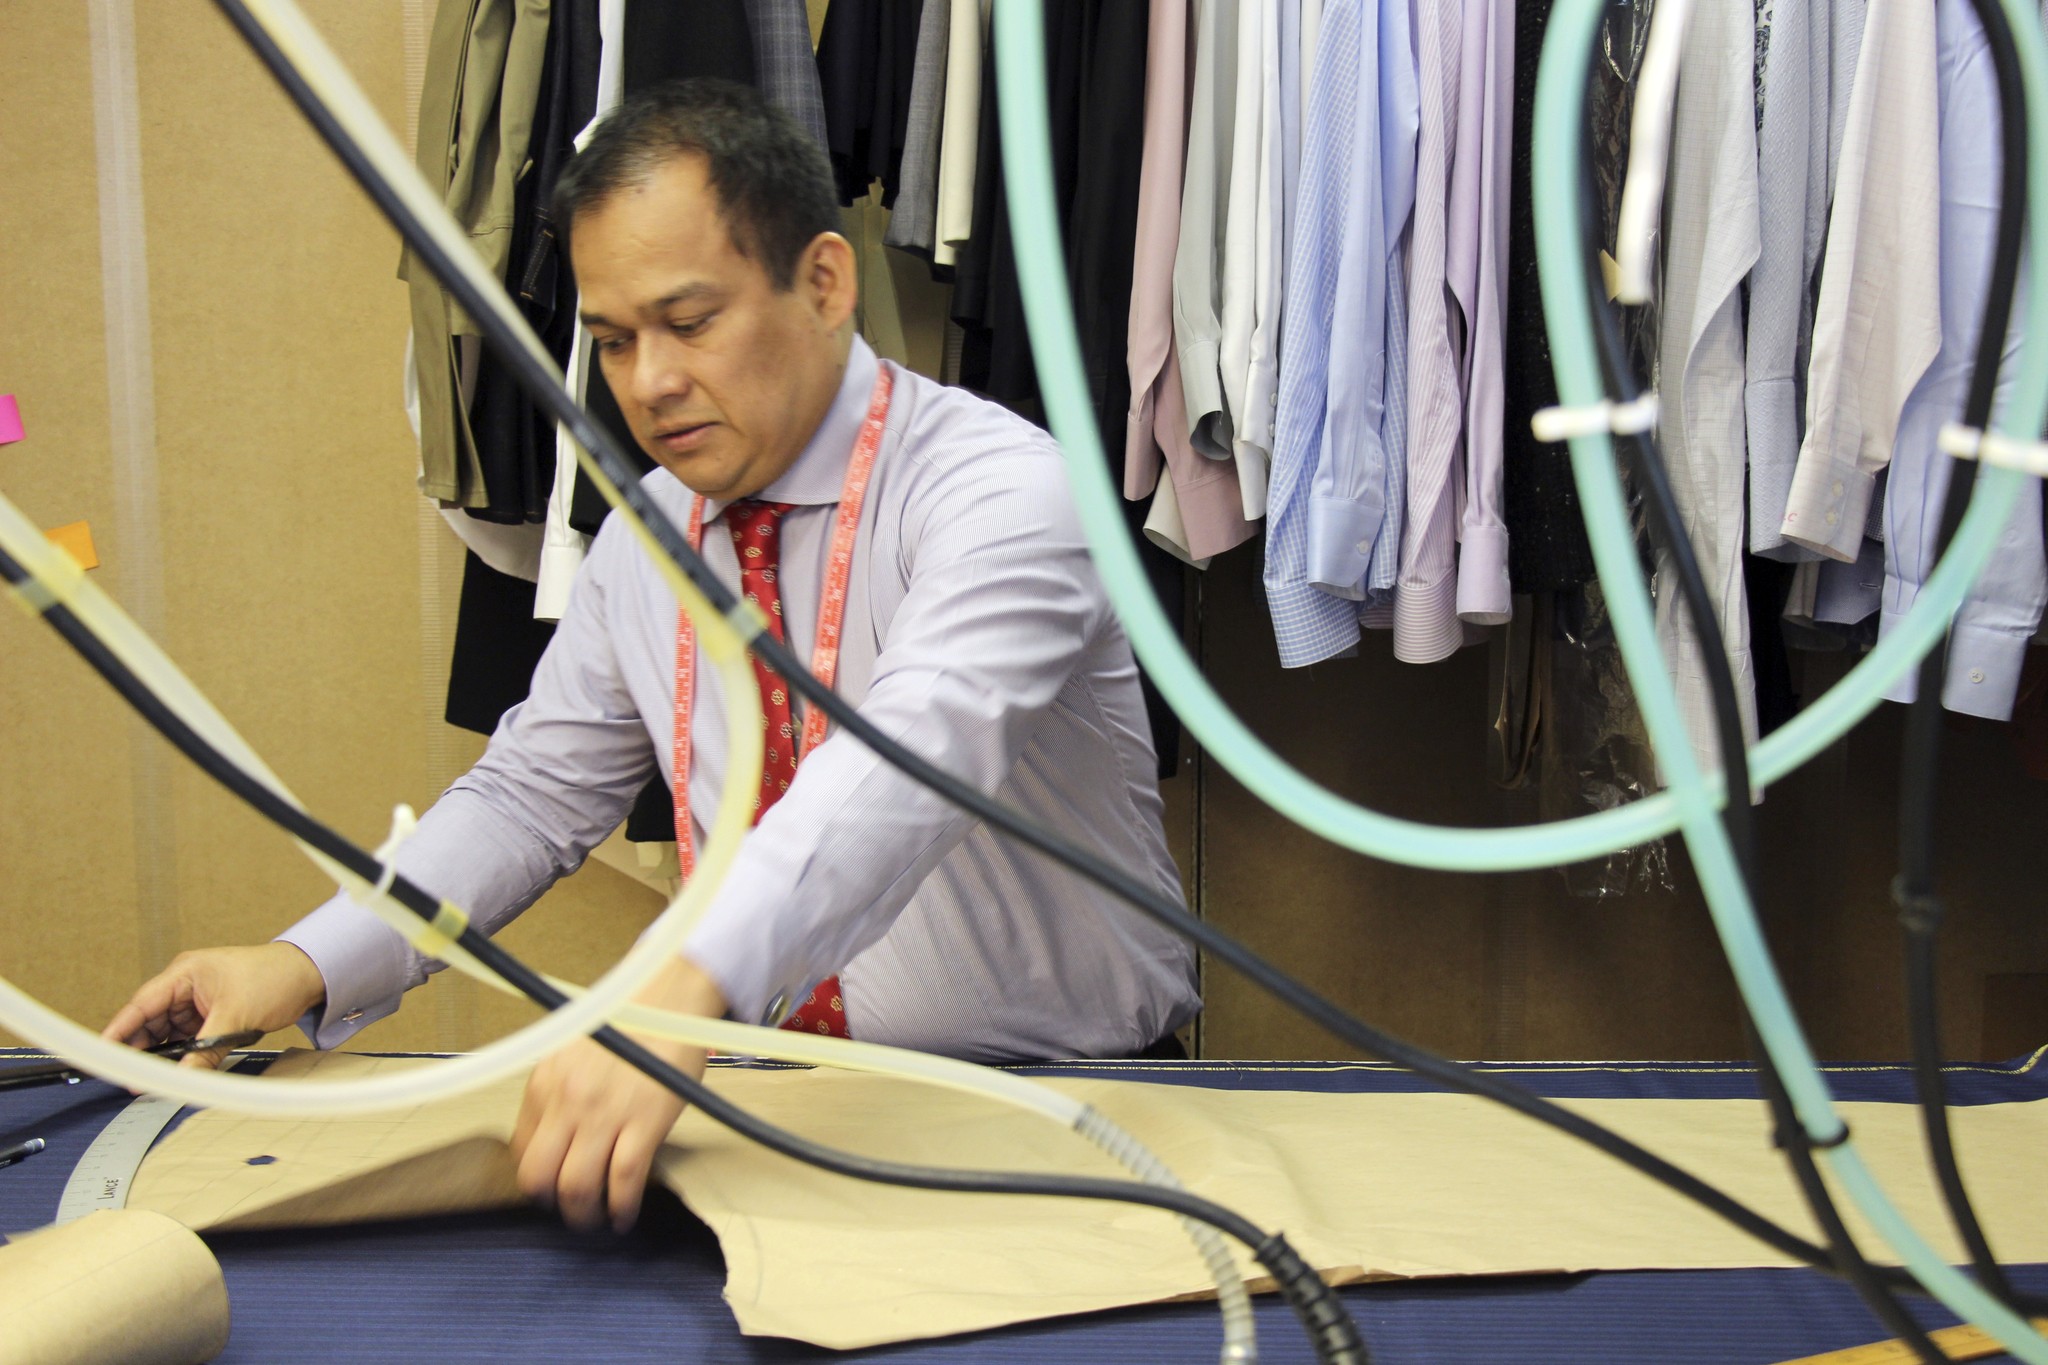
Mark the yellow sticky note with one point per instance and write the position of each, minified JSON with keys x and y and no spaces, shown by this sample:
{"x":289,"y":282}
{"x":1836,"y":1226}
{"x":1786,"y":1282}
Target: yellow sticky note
{"x":76,"y":540}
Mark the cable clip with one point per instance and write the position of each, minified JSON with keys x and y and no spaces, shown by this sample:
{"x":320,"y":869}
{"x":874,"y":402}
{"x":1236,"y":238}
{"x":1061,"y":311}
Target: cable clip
{"x":1797,"y":1138}
{"x":1552,"y":425}
{"x":1992,"y":448}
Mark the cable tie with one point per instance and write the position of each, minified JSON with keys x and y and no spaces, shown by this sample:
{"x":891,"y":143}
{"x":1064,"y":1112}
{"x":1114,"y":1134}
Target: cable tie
{"x":53,"y":579}
{"x":1552,"y":425}
{"x":403,"y":823}
{"x":438,"y":935}
{"x":1993,"y":448}
{"x":33,"y":596}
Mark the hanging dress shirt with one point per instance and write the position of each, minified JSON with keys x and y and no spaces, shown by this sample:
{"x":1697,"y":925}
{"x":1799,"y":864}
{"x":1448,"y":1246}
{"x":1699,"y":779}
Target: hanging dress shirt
{"x":1478,"y":269}
{"x":1877,"y":325}
{"x":1250,"y":348}
{"x":1792,"y":205}
{"x":1426,"y":626}
{"x":1200,"y":262}
{"x":1400,"y":122}
{"x":977,"y":632}
{"x":1988,"y":642}
{"x":1201,"y":495}
{"x":1710,"y":243}
{"x":1326,"y":504}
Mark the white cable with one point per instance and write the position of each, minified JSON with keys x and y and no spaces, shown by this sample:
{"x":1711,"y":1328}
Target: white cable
{"x":1649,"y":151}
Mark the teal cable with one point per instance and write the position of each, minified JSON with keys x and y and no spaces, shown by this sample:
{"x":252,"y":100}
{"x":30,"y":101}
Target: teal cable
{"x":1559,"y":104}
{"x":1020,"y":93}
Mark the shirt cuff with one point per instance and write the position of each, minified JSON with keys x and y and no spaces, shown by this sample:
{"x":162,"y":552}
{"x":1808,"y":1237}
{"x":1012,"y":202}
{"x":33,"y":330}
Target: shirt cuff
{"x":365,"y":964}
{"x":1201,"y":386}
{"x":1829,"y":502}
{"x":729,"y":951}
{"x":1341,"y":536}
{"x":1261,"y":407}
{"x":1484,"y":595}
{"x":1983,"y":677}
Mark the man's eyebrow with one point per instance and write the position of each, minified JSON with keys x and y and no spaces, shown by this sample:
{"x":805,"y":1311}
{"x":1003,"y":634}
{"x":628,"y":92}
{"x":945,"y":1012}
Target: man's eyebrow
{"x":689,"y":293}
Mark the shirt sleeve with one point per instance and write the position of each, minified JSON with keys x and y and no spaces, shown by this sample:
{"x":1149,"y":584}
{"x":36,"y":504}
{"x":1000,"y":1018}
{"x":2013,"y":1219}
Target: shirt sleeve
{"x":1001,"y":603}
{"x":1877,"y":325}
{"x":557,"y":778}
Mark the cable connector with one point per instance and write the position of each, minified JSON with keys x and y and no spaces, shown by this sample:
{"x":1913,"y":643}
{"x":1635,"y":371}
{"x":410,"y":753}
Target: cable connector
{"x":1993,"y":448}
{"x":1552,"y":425}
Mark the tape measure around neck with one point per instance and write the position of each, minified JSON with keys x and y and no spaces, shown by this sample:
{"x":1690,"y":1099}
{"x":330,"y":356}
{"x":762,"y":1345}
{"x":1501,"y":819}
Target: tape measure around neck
{"x":831,"y":613}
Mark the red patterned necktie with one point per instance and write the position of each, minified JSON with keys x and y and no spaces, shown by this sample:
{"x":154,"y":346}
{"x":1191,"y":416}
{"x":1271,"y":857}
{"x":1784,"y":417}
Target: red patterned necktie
{"x":756,"y":529}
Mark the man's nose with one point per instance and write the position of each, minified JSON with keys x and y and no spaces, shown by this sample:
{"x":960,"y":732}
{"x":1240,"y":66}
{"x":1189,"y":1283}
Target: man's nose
{"x":661,"y":374}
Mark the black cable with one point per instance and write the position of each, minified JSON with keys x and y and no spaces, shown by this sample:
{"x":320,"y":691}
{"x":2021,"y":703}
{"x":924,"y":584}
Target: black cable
{"x":532,"y":374}
{"x":1914,"y":892}
{"x":1328,"y":1323}
{"x":1667,"y":529}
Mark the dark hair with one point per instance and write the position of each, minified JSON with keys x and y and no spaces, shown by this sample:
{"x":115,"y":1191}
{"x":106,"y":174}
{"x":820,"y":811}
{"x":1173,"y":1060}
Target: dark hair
{"x":773,"y":181}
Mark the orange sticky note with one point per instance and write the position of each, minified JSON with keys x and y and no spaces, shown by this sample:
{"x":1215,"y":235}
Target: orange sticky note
{"x":76,"y":540}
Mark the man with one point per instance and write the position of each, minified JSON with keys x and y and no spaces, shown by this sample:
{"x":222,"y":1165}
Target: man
{"x":720,"y":299}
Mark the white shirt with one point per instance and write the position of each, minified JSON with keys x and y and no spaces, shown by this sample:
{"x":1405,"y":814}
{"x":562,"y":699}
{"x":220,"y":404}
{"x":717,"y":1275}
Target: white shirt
{"x":978,"y":633}
{"x":1877,"y":326}
{"x":1711,"y":242}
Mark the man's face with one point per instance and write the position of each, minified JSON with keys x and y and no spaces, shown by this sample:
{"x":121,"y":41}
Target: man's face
{"x":721,"y":376}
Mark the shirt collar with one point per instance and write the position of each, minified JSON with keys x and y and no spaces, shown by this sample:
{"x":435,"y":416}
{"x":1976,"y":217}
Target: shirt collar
{"x":819,"y":474}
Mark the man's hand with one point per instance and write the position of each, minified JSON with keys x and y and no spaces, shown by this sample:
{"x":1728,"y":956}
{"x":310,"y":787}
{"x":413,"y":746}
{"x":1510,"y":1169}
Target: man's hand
{"x":219,"y":990}
{"x":590,"y":1125}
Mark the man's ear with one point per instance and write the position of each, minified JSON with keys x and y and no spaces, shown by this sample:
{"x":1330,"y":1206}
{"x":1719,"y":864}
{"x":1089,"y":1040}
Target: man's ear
{"x":830,"y":279}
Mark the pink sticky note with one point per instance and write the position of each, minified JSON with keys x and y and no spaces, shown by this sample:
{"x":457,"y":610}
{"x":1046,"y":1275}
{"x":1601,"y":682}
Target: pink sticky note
{"x":10,"y":420}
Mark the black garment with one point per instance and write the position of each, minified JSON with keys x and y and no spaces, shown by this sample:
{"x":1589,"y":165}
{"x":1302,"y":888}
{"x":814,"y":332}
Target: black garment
{"x":498,"y":644}
{"x":515,"y":440}
{"x":1547,"y":546}
{"x":867,"y":53}
{"x":663,"y":41}
{"x":988,"y":302}
{"x":1095,"y":67}
{"x":1767,"y":583}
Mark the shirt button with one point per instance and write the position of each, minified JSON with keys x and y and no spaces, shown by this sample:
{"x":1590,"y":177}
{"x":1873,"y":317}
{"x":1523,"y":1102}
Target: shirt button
{"x":1838,"y":488}
{"x":1272,"y":400}
{"x":1365,"y":547}
{"x":1834,"y":517}
{"x":1976,"y":675}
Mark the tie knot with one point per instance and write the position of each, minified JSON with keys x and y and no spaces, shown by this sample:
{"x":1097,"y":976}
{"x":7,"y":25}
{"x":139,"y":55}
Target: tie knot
{"x":755,"y":527}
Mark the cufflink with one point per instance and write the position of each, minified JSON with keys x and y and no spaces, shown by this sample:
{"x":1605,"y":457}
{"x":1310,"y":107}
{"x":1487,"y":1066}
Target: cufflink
{"x":351,"y":1016}
{"x":772,"y":1016}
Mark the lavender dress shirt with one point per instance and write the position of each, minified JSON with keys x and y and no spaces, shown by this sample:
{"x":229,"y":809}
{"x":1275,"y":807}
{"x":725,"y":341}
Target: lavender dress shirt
{"x":978,"y":633}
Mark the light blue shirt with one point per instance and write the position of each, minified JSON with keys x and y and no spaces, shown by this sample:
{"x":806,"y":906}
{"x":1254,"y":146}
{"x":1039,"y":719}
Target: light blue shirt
{"x":1335,"y":504}
{"x":1991,"y":632}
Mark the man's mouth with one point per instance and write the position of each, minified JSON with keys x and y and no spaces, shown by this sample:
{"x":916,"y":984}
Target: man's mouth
{"x":682,"y":436}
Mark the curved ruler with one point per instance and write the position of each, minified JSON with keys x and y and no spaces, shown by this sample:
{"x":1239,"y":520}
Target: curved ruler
{"x":103,"y":1176}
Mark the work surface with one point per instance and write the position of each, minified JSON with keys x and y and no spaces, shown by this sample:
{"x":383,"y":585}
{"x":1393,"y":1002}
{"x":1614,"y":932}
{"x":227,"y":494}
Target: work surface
{"x":518,"y":1285}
